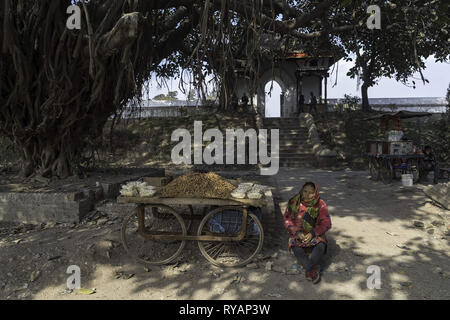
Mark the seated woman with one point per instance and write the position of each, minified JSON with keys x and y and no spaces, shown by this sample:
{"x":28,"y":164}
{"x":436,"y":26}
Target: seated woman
{"x":307,"y":220}
{"x":428,"y":163}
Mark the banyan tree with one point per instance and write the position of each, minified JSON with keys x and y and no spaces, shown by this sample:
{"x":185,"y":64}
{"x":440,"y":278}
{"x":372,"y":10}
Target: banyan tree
{"x":59,"y":85}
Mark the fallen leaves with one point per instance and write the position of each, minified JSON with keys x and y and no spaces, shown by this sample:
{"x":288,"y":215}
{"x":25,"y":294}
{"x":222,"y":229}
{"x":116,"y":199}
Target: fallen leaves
{"x":392,"y":234}
{"x":86,"y":291}
{"x":34,"y":275}
{"x":123,"y":275}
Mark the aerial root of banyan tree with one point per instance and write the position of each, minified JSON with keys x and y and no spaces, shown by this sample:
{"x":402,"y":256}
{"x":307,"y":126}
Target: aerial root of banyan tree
{"x":60,"y":86}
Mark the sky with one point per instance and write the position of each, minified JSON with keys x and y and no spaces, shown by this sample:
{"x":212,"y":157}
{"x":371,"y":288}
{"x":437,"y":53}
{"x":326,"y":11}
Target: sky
{"x":438,"y":75}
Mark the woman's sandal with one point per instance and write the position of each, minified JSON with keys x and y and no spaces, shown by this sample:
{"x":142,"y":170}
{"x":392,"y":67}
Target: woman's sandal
{"x":315,"y":274}
{"x":308,"y":275}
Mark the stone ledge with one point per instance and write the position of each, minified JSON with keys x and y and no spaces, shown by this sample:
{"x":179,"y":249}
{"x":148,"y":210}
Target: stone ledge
{"x":324,"y":155}
{"x":61,"y":207}
{"x":42,"y":207}
{"x":440,"y":193}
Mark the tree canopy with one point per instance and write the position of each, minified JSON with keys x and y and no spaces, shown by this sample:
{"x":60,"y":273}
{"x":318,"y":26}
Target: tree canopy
{"x":58,"y":87}
{"x":411,"y":31}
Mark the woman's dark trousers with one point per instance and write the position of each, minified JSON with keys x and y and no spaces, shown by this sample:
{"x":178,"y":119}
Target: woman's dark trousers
{"x":316,"y":255}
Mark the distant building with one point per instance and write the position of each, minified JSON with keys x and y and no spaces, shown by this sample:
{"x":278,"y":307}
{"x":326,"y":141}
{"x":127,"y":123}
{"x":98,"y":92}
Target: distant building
{"x":418,"y":104}
{"x":295,"y":72}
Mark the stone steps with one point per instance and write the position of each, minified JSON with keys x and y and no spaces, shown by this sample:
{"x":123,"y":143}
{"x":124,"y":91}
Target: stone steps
{"x":297,"y":147}
{"x":284,"y":127}
{"x":296,"y":164}
{"x":285,"y":155}
{"x":294,"y":148}
{"x":293,"y":134}
{"x":295,"y":143}
{"x":299,"y":156}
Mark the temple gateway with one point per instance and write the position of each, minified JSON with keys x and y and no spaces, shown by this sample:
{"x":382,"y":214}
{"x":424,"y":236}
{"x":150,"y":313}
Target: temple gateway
{"x":296,"y":73}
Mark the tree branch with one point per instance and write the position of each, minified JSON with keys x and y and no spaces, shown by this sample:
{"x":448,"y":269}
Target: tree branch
{"x":171,"y":22}
{"x":125,"y":31}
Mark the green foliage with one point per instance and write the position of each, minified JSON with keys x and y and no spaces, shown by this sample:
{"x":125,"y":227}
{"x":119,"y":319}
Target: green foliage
{"x":169,"y":97}
{"x":159,"y":97}
{"x":351,"y":101}
{"x":434,"y":133}
{"x":442,"y":147}
{"x":44,"y":67}
{"x":357,"y":132}
{"x":172,"y":95}
{"x":422,"y":132}
{"x":410,"y":33}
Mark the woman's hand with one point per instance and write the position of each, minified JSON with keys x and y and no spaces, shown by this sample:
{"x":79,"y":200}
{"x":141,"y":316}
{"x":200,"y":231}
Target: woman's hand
{"x":307,"y":237}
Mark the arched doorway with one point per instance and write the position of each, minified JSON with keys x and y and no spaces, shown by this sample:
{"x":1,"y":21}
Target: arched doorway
{"x":273,"y":99}
{"x":282,"y":93}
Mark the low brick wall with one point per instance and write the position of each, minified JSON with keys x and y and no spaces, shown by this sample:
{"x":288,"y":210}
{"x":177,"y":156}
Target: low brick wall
{"x":43,"y":207}
{"x":61,"y":207}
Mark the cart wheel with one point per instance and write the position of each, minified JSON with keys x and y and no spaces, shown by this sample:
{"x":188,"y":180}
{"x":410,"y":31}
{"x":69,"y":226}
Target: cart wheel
{"x":413,"y":168}
{"x":386,"y":171}
{"x":374,"y":169}
{"x":163,"y":219}
{"x":226,"y":221}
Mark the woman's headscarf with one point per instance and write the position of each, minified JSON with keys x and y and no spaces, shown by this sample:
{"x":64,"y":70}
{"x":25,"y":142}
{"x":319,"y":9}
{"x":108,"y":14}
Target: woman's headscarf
{"x":311,"y":206}
{"x":316,"y":199}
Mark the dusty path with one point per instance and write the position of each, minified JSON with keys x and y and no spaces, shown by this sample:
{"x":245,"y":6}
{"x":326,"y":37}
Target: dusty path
{"x":371,"y":221}
{"x":372,"y":225}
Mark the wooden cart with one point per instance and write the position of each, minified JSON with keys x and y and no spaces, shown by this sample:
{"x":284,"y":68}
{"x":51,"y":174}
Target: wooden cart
{"x":387,"y":167}
{"x":229,"y":235}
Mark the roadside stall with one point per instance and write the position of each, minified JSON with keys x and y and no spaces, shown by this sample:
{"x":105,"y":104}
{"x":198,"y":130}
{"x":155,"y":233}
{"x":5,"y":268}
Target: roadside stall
{"x":394,"y":156}
{"x":229,"y":232}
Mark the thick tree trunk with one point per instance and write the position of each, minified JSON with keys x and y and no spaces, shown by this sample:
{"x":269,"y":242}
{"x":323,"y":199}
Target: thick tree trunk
{"x":57,"y":94}
{"x":45,"y":160}
{"x":56,"y":154}
{"x":365,"y":98}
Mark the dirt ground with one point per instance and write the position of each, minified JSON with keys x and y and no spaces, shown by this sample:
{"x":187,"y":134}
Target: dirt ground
{"x":396,"y":228}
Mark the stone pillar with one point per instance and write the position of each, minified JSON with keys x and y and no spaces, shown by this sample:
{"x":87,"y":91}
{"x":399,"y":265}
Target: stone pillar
{"x":320,"y":89}
{"x":300,"y":84}
{"x":298,"y":78}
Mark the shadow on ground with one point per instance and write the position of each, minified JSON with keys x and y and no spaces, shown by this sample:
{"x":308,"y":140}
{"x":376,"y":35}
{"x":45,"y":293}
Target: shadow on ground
{"x":35,"y":263}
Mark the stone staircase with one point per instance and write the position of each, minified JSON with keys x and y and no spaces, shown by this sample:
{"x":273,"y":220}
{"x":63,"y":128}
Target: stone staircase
{"x":295,"y":151}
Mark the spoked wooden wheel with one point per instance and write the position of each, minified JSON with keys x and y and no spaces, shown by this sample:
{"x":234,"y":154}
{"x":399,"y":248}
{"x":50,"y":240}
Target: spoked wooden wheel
{"x":374,"y":169}
{"x":161,"y":221}
{"x":386,"y":171}
{"x":413,"y":168}
{"x":227,"y":221}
